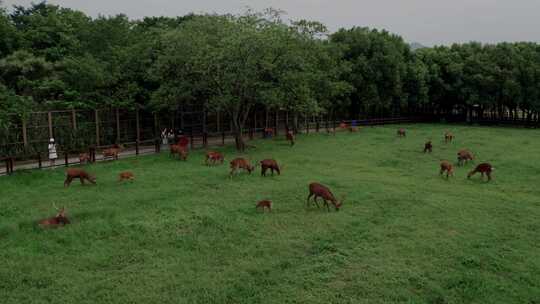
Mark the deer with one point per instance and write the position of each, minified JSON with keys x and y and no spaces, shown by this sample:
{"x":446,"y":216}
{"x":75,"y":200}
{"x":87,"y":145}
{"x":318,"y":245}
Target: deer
{"x":264,"y":204}
{"x":464,"y":156}
{"x":447,"y":167}
{"x":112,"y":152}
{"x":240,"y":163}
{"x":401,"y":133}
{"x":59,"y":219}
{"x":174,"y":149}
{"x":214,"y":157}
{"x":270,"y":164}
{"x":290,"y":137}
{"x":428,"y":147}
{"x":448,"y":137}
{"x":318,"y":190}
{"x":183,"y":154}
{"x":483,"y":168}
{"x":73,"y":173}
{"x":127,"y":175}
{"x":84,"y":158}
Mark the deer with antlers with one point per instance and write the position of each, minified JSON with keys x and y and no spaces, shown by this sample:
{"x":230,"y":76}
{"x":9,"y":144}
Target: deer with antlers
{"x":82,"y":175}
{"x":317,"y":190}
{"x":59,"y":219}
{"x":484,"y":169}
{"x":270,"y":164}
{"x":240,"y":163}
{"x":264,"y":204}
{"x":213,"y":157}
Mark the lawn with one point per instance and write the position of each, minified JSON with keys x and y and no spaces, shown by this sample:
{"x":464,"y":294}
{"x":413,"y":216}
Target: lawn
{"x":187,"y":233}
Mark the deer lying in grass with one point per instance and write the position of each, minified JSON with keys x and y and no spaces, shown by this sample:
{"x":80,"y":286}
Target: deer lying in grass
{"x":240,"y":163}
{"x":214,"y":157}
{"x":290,"y":137}
{"x":264,"y":204}
{"x":447,"y":167}
{"x":128,"y":175}
{"x":112,"y":152}
{"x":464,"y":156}
{"x":448,"y":137}
{"x":73,"y":173}
{"x":84,"y":158}
{"x":401,"y":133}
{"x":428,"y":147}
{"x":483,"y":168}
{"x":269,"y":164}
{"x":59,"y":219}
{"x":318,"y":190}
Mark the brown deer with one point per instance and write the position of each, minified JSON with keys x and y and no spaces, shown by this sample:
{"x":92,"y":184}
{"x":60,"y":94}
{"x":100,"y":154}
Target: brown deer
{"x":183,"y":154}
{"x":464,"y":156}
{"x":483,"y":168}
{"x":401,"y":133}
{"x":428,"y":147}
{"x":264,"y":204}
{"x":73,"y":173}
{"x":59,"y":219}
{"x":319,"y":190}
{"x":240,"y":163}
{"x":126,"y":176}
{"x":112,"y":152}
{"x":174,"y":149}
{"x":448,"y":137}
{"x":447,"y":167}
{"x":290,"y":137}
{"x":269,"y":164}
{"x":214,"y":157}
{"x":84,"y":158}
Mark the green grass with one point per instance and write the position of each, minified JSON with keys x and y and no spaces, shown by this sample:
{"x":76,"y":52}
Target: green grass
{"x":186,"y":233}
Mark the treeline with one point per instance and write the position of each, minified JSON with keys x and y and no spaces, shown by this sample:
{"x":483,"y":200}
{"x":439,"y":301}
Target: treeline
{"x":58,"y":58}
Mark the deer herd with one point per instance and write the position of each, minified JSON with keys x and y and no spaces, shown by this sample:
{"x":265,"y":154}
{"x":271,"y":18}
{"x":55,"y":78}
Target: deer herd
{"x":316,"y":190}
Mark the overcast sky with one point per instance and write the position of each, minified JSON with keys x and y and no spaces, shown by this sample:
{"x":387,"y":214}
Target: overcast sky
{"x":429,"y":22}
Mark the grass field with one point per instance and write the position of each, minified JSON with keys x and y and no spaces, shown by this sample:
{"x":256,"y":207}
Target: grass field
{"x":186,"y":233}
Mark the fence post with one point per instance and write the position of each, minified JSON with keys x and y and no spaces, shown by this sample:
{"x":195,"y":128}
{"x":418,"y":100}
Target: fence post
{"x":307,"y":125}
{"x":96,"y":114}
{"x":317,"y":126}
{"x":117,"y":125}
{"x":66,"y":158}
{"x":138,"y":126}
{"x":40,"y":165}
{"x":157,"y":145}
{"x":24,"y":133}
{"x":277,"y":123}
{"x":191,"y":139}
{"x":74,"y":119}
{"x":49,"y":117}
{"x":92,"y":151}
{"x":205,"y":139}
{"x":223,"y":138}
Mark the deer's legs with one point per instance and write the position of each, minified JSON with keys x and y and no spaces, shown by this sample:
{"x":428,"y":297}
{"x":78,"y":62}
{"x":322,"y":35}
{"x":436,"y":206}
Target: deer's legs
{"x":68,"y":181}
{"x":309,"y":196}
{"x":82,"y":180}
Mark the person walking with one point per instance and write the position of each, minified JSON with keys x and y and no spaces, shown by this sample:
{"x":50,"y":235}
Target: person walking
{"x":52,"y":151}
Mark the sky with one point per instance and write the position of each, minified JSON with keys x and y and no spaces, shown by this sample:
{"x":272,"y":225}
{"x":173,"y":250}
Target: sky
{"x":429,"y":22}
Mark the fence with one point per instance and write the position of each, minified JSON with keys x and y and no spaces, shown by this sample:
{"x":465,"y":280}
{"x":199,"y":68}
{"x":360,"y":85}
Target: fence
{"x":138,"y":131}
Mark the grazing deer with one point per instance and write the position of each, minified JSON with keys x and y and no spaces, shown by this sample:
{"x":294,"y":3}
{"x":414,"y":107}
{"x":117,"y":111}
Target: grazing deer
{"x":290,"y":137}
{"x":428,"y":147}
{"x":483,"y":168}
{"x":401,"y":133}
{"x":126,"y":176}
{"x":59,"y":219}
{"x":240,"y":163}
{"x":214,"y":157}
{"x":73,"y":173}
{"x":318,"y":190}
{"x":269,"y":164}
{"x":448,"y":137}
{"x":175,"y":149}
{"x":183,"y":154}
{"x":447,"y":167}
{"x":464,"y":156}
{"x":112,"y":152}
{"x":264,"y":204}
{"x":84,"y":158}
